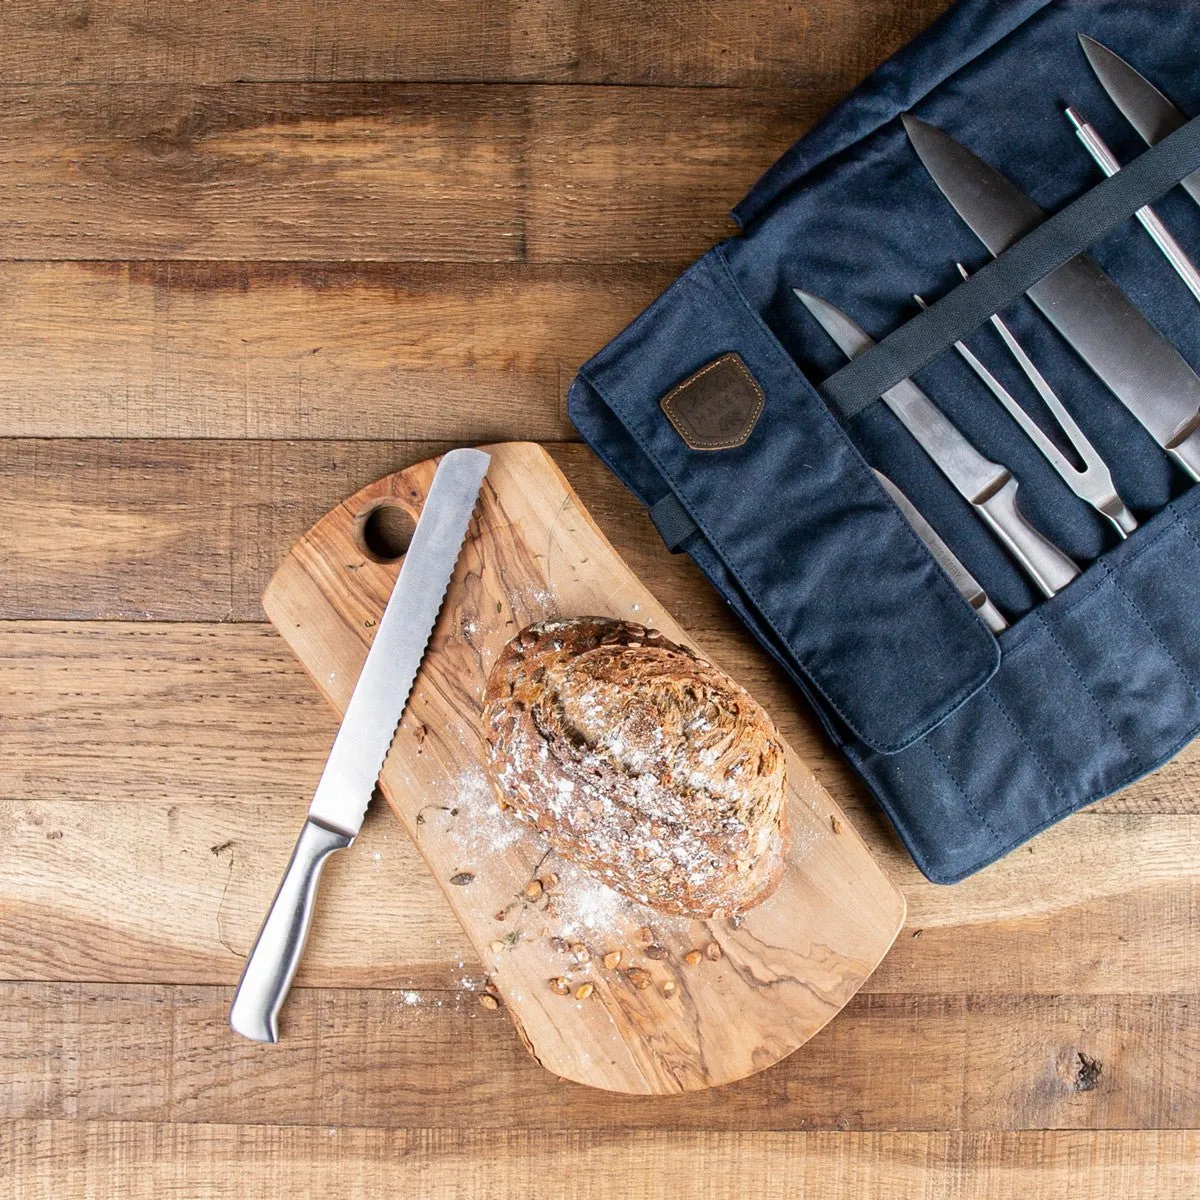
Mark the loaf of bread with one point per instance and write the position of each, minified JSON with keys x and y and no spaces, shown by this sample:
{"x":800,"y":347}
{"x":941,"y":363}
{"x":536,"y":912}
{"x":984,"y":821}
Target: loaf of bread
{"x":640,"y":762}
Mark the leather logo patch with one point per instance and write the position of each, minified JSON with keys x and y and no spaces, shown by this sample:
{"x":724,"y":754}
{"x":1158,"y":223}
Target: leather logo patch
{"x":717,"y":407}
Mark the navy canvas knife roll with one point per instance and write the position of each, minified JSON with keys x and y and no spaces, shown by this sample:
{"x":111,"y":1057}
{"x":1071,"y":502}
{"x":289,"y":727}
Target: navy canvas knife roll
{"x":735,"y":419}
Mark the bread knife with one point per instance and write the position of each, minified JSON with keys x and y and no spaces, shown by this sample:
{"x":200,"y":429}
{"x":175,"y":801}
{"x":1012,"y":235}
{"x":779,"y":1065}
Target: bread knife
{"x":962,"y":579}
{"x":352,"y":770}
{"x":989,"y":488}
{"x":1141,"y":368}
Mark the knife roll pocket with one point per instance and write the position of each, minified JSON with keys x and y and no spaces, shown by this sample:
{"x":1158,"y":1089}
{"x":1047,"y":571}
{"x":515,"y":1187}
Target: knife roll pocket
{"x":792,"y":527}
{"x":971,"y":743}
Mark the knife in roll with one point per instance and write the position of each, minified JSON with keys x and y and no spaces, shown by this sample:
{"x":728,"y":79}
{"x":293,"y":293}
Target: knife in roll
{"x":1142,"y":369}
{"x":989,"y":488}
{"x":1093,"y":483}
{"x":1142,"y":104}
{"x":963,"y":580}
{"x":376,"y":706}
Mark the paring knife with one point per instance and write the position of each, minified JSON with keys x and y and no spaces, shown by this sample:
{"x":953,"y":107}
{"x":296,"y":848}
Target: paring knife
{"x":1094,"y":483}
{"x":1145,"y":372}
{"x":1143,"y":105}
{"x":962,"y":579}
{"x":376,"y":705}
{"x":988,"y":487}
{"x":1108,"y":162}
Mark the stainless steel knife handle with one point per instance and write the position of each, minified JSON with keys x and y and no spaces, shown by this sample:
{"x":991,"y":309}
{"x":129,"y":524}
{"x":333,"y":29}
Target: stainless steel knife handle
{"x":1185,"y":450}
{"x":1046,"y":564}
{"x":272,"y":963}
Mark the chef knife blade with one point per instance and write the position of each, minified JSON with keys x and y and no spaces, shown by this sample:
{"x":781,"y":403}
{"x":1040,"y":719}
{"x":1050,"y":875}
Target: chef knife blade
{"x":989,"y":488}
{"x":1144,"y":106}
{"x":376,"y":705}
{"x":962,"y":579}
{"x":1145,"y":372}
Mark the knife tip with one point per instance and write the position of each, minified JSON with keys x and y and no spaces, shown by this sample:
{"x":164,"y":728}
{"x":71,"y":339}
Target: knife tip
{"x":1093,"y":49}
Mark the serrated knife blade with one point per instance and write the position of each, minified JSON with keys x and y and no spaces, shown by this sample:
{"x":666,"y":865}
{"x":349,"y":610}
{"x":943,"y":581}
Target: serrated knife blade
{"x":1141,"y":368}
{"x":371,"y":718}
{"x":1141,"y":103}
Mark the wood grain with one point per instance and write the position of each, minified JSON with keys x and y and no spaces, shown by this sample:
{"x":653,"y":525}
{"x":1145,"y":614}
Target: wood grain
{"x":144,"y":1162}
{"x":304,"y":350}
{"x":393,"y":1059}
{"x":1022,"y":1017}
{"x":184,"y":530}
{"x":786,"y":966}
{"x":825,"y":48}
{"x":137,"y":741}
{"x":382,"y":172}
{"x":195,"y":876}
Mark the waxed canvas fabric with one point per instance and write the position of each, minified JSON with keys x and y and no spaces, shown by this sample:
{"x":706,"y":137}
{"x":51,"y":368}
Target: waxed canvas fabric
{"x":971,"y":743}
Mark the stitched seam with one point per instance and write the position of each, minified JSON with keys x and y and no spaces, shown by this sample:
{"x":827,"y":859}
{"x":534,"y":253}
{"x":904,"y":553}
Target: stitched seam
{"x":981,"y":816}
{"x":1002,"y":708}
{"x":1140,"y":613}
{"x":1087,"y":687}
{"x":679,"y":421}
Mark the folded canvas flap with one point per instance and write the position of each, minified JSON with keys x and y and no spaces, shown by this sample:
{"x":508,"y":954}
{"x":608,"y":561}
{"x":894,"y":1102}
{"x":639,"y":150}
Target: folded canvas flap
{"x":959,"y":35}
{"x":851,"y":597}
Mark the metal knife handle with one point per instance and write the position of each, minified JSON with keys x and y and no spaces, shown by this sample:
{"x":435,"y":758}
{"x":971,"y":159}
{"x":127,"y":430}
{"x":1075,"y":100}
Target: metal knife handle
{"x":272,"y":963}
{"x":1185,"y":450}
{"x":1046,"y":564}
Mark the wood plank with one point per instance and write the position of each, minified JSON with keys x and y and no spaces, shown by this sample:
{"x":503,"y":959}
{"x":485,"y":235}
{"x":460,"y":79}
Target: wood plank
{"x":298,"y":350}
{"x":385,"y":1059}
{"x":383,"y":171}
{"x":176,"y":892}
{"x":110,"y":1160}
{"x":826,"y":48}
{"x":123,"y":524}
{"x":172,"y":887}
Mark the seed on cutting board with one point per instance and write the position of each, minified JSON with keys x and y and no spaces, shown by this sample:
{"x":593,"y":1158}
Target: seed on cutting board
{"x":581,"y":952}
{"x":462,"y":878}
{"x":557,"y":943}
{"x":612,"y":959}
{"x":533,"y":889}
{"x":560,"y":987}
{"x":584,"y":991}
{"x":549,"y":881}
{"x":656,"y":951}
{"x":712,"y":952}
{"x":489,"y":1001}
{"x":639,"y":977}
{"x":668,"y":988}
{"x":645,"y":935}
{"x":692,"y":957}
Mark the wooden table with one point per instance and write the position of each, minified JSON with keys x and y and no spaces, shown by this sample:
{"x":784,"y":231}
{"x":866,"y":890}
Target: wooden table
{"x":254,"y":256}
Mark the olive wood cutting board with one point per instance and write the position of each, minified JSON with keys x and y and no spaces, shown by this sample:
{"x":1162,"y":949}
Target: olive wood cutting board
{"x":657,"y":1020}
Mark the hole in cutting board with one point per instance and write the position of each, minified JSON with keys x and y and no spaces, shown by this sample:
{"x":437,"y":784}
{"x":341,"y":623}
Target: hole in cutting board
{"x":386,"y":532}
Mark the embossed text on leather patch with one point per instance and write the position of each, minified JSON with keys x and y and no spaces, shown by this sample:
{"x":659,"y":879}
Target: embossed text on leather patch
{"x":715,"y":408}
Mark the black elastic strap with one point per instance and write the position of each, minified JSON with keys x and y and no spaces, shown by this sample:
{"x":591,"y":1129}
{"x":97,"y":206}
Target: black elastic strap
{"x":672,"y":521}
{"x":1056,"y":241}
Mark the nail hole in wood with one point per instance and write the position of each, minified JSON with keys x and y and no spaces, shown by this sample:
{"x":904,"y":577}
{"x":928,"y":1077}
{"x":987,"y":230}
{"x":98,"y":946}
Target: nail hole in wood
{"x":386,"y":532}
